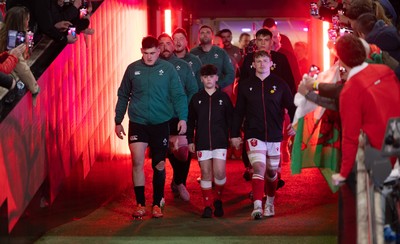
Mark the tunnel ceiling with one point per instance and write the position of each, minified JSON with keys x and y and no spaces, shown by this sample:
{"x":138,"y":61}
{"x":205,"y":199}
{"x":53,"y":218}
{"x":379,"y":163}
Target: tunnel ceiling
{"x":246,"y":8}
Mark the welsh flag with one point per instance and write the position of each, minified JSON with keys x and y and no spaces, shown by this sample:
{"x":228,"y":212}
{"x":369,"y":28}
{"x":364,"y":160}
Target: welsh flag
{"x":317,"y":140}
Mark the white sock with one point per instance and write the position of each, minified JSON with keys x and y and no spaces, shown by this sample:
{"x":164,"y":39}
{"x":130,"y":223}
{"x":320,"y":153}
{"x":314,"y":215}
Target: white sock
{"x":257,"y":204}
{"x":270,"y":200}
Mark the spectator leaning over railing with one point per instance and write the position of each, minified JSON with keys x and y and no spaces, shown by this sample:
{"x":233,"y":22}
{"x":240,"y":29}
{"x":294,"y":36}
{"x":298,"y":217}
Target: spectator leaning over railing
{"x":368,"y":99}
{"x":17,"y":19}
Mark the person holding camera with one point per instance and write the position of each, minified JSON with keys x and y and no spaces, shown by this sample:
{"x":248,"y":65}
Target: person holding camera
{"x":17,"y":20}
{"x":56,"y":22}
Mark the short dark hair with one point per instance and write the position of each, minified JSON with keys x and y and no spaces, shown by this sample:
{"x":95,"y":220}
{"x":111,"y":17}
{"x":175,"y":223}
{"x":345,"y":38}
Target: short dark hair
{"x":269,"y":22}
{"x":350,"y":50}
{"x":208,"y":27}
{"x":263,"y":32}
{"x":358,"y":8}
{"x":208,"y":69}
{"x":242,"y":35}
{"x":164,"y":35}
{"x":365,"y":23}
{"x":261,"y":53}
{"x":180,"y":30}
{"x":149,"y":42}
{"x":224,"y":31}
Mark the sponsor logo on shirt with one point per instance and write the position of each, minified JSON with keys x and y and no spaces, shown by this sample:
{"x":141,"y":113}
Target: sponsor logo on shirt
{"x":137,"y":72}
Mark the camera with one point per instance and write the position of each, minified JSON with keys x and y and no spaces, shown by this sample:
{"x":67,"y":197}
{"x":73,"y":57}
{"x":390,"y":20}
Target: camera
{"x":72,"y":31}
{"x":15,"y":38}
{"x":344,"y":31}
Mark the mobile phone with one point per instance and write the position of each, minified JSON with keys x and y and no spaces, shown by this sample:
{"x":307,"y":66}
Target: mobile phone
{"x":332,"y":34}
{"x":15,"y":38}
{"x":314,"y":71}
{"x":344,"y":31}
{"x":314,"y":9}
{"x":72,"y":31}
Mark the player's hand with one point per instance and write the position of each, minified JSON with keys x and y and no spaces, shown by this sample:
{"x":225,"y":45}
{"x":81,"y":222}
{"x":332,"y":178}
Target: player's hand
{"x":182,"y":127}
{"x":337,"y":179}
{"x":290,"y":130}
{"x":236,"y":141}
{"x":192,"y":148}
{"x":119,"y":131}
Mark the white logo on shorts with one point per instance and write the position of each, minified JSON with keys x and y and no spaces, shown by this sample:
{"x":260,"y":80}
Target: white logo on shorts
{"x":199,"y":101}
{"x":165,"y":141}
{"x":220,"y":102}
{"x":133,"y":138}
{"x":251,"y":88}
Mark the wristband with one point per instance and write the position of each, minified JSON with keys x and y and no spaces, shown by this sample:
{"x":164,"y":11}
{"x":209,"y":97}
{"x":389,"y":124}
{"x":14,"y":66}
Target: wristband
{"x":315,"y":86}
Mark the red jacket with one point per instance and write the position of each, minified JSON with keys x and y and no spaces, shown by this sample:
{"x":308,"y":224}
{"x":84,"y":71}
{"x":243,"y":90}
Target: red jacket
{"x":369,"y":98}
{"x":7,"y":62}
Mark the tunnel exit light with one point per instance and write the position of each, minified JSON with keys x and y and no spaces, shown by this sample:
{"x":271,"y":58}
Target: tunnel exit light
{"x":325,"y":50}
{"x":167,"y":21}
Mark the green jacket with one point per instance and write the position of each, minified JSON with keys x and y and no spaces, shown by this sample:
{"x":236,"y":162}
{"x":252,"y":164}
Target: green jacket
{"x":186,"y":75}
{"x":195,"y":63}
{"x":153,"y":92}
{"x":218,"y":57}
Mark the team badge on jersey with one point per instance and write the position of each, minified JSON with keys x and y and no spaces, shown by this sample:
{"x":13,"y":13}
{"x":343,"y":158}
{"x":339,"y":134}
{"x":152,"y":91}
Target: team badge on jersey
{"x":161,"y":72}
{"x":137,"y":72}
{"x":273,"y":90}
{"x":220,"y":102}
{"x":178,"y":67}
{"x":253,"y":142}
{"x":199,"y":154}
{"x":216,"y":56}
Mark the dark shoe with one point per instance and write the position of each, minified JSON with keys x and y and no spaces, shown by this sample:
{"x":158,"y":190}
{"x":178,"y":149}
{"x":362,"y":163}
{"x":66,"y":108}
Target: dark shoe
{"x":218,"y":211}
{"x":207,"y":213}
{"x":280,"y":184}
